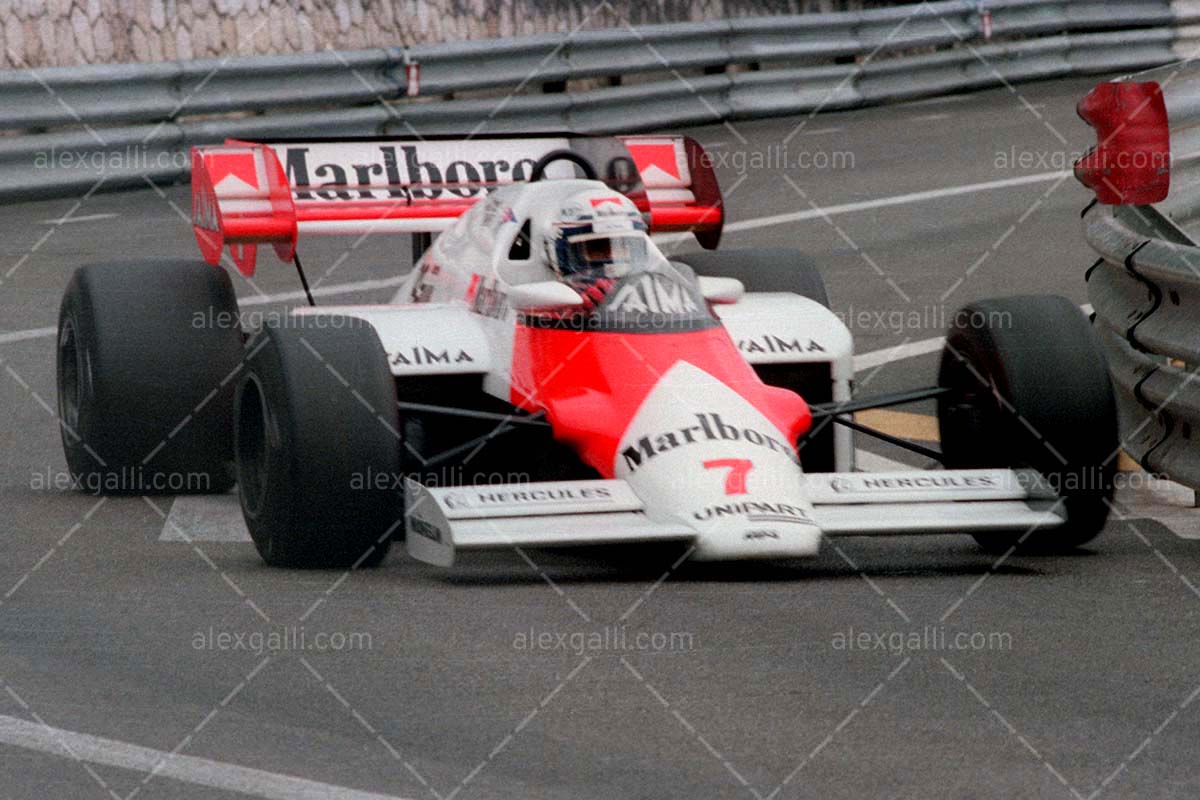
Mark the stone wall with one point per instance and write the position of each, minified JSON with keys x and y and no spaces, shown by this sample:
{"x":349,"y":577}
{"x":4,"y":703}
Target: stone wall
{"x":38,"y":33}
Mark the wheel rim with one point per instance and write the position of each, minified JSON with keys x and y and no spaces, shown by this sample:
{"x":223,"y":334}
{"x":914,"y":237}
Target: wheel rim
{"x":70,"y":371}
{"x":252,"y":447}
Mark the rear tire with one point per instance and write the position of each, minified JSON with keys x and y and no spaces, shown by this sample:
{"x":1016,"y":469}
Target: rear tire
{"x":782,"y":270}
{"x":763,"y":270}
{"x":317,"y":444}
{"x":147,"y":354}
{"x":1030,"y":388}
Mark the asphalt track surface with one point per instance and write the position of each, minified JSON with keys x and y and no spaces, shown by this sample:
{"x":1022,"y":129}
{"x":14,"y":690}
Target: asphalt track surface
{"x":115,"y":683}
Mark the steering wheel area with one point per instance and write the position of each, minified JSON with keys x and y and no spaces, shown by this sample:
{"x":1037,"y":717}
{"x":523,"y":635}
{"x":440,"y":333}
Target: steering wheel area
{"x":539,"y":168}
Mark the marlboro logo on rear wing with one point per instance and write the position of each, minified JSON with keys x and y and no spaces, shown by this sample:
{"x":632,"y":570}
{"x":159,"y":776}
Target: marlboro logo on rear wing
{"x":245,"y":194}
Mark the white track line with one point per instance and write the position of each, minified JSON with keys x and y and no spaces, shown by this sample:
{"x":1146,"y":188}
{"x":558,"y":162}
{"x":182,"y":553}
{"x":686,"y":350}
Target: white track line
{"x":252,"y":300}
{"x":869,"y":205}
{"x":887,"y":355}
{"x":744,"y":225}
{"x":896,"y":200}
{"x":205,"y":518}
{"x":876,"y":358}
{"x":189,"y":769}
{"x":933,"y":101}
{"x":71,"y":220}
{"x":32,"y":333}
{"x":323,"y":291}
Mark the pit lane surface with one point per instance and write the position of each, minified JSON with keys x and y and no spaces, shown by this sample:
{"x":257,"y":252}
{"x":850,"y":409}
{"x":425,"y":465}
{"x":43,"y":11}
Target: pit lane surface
{"x":828,"y":678}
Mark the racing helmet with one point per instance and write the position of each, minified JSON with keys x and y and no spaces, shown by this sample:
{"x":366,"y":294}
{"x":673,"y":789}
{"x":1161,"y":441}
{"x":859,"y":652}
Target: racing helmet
{"x":596,"y":234}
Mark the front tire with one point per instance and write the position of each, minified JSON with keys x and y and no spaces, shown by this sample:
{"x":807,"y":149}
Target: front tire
{"x":1030,"y":388}
{"x":317,"y":444}
{"x":147,"y":356}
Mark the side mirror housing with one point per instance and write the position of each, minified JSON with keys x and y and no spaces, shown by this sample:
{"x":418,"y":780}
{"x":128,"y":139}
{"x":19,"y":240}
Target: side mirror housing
{"x":543,"y":296}
{"x":721,"y":291}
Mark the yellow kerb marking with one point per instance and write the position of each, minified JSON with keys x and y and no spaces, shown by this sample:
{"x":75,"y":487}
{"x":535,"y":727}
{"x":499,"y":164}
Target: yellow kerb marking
{"x":920,"y":427}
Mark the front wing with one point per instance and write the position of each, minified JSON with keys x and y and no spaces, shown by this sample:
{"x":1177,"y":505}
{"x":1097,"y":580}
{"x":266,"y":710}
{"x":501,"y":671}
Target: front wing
{"x":442,"y":521}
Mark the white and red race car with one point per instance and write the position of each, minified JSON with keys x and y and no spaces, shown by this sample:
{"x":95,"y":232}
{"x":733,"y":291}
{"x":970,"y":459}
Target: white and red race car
{"x":546,"y":376}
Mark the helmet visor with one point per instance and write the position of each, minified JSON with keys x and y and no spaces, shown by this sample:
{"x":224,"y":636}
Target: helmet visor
{"x":612,"y":255}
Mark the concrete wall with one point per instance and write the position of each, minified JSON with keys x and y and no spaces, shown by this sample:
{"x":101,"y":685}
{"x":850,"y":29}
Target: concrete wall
{"x":36,"y":33}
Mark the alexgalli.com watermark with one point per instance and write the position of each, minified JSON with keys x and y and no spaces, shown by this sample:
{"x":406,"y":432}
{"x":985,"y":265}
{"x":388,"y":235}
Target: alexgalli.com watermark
{"x":373,"y":480}
{"x":131,"y":158}
{"x":120,"y":481}
{"x":1063,"y":160}
{"x":776,"y":158}
{"x":608,"y":639}
{"x":253,"y":319}
{"x":281,"y":639}
{"x":920,"y":319}
{"x":929,"y":639}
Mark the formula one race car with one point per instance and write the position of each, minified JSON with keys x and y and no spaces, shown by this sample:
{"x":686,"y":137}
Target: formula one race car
{"x":547,"y":377}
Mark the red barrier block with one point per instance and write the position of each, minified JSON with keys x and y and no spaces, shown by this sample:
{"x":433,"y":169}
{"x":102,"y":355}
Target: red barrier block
{"x":1131,"y":163}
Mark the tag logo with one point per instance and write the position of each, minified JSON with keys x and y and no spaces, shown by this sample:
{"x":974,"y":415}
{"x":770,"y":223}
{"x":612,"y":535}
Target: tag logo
{"x":597,"y":202}
{"x":204,"y":209}
{"x":653,"y":294}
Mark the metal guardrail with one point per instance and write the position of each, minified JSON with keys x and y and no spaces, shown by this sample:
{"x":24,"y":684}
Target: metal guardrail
{"x":1145,"y":286}
{"x":125,"y":123}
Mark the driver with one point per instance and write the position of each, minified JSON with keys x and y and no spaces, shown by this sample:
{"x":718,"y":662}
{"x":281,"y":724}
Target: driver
{"x":597,"y":237}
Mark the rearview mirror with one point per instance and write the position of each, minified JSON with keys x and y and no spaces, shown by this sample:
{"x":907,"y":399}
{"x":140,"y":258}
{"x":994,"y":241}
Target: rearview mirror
{"x":721,"y":291}
{"x":543,"y":296}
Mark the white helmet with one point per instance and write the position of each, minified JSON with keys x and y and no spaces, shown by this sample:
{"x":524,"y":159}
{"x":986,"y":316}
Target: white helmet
{"x":597,"y":233}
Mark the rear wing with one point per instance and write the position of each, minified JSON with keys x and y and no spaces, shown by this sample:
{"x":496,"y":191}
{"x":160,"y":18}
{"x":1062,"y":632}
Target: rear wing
{"x":246,"y":194}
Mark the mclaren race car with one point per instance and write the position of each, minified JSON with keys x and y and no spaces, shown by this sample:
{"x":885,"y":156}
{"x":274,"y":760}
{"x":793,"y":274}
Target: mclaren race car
{"x":547,"y":376}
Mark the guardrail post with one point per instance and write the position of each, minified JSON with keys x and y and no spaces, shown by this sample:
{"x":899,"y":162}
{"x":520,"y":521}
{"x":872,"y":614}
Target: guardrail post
{"x":412,"y":75}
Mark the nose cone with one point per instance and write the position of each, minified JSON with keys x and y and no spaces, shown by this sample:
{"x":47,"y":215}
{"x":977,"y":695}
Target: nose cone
{"x":698,"y":452}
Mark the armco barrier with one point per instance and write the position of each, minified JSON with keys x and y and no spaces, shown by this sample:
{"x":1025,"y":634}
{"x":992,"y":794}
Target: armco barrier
{"x":71,"y":126}
{"x":1145,"y":285}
